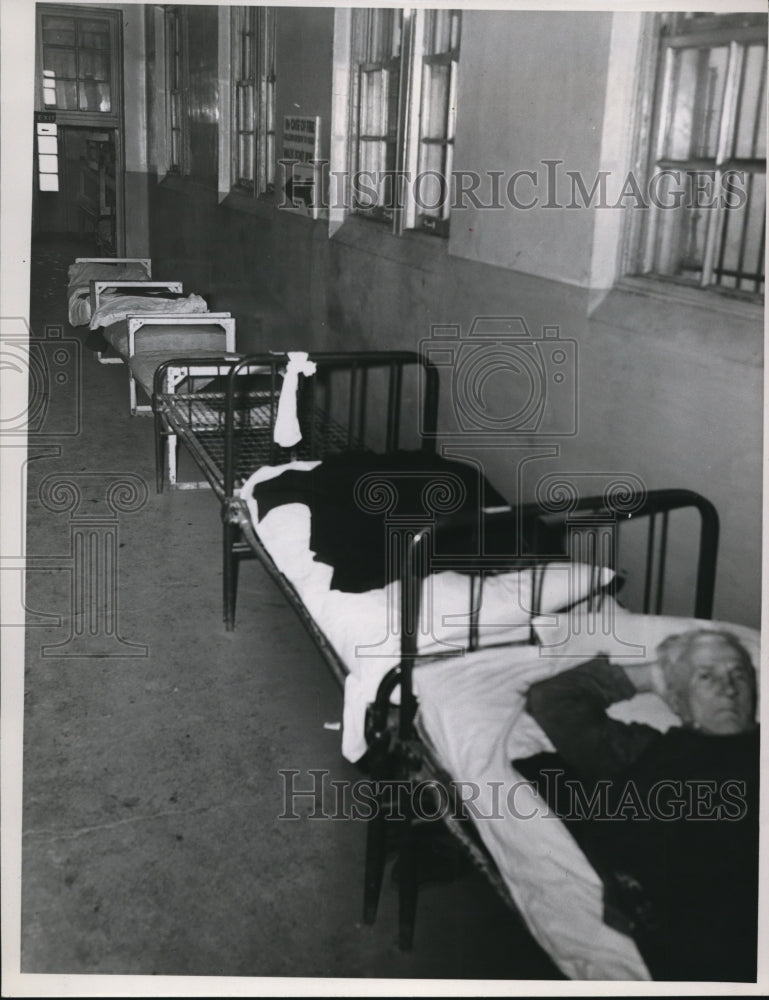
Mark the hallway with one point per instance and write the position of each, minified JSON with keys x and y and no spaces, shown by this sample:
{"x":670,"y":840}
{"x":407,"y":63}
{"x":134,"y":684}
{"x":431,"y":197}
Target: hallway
{"x":152,"y":769}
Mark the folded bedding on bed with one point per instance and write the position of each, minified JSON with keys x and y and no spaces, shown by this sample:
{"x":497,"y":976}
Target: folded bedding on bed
{"x":114,"y":308}
{"x":81,"y":273}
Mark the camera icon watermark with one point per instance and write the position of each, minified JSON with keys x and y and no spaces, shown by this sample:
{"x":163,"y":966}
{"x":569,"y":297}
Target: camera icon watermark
{"x":505,"y":381}
{"x":42,"y":378}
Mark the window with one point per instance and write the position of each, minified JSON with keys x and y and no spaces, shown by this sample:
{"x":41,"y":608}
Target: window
{"x":177,"y":121}
{"x":76,"y":63}
{"x":253,"y":100}
{"x":706,"y":226}
{"x":403,"y":110}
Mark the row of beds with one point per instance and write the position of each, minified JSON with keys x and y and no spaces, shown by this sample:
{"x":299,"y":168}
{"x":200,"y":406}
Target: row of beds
{"x":436,"y":659}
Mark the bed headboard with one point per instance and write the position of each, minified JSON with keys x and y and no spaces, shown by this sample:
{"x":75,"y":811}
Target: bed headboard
{"x":378,"y":400}
{"x":570,"y":528}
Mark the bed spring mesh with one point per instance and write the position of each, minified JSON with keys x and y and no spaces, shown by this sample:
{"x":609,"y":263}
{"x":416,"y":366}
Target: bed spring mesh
{"x":200,"y":418}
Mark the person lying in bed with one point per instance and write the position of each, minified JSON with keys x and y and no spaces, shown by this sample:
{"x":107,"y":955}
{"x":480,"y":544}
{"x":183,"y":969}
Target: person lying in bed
{"x":668,"y":820}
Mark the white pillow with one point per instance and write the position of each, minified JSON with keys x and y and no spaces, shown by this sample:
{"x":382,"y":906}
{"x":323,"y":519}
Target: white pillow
{"x":506,"y":603}
{"x":624,"y":636}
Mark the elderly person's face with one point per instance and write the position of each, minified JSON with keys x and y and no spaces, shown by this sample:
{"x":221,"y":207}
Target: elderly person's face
{"x":721,"y":691}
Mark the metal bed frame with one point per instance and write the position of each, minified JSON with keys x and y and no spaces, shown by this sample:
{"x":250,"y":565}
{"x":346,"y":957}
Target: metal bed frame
{"x":229,"y":430}
{"x":99,"y":286}
{"x":399,"y":751}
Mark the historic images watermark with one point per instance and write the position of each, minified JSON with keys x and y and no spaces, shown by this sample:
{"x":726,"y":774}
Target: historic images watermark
{"x":505,"y":381}
{"x":548,"y":184}
{"x":313,"y":795}
{"x":43,"y":376}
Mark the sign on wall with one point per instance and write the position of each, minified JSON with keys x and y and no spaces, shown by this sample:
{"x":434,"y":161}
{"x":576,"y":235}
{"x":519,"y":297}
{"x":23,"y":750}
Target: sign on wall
{"x":302,"y":174}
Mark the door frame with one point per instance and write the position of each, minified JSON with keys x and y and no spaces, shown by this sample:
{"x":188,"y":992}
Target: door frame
{"x":112,"y":120}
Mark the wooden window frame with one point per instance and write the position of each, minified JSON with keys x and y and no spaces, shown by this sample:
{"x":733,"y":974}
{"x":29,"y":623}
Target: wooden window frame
{"x":642,"y":253}
{"x":401,"y":41}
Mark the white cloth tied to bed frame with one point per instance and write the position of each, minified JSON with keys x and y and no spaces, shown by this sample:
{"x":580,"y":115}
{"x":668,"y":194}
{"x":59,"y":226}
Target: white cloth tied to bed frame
{"x":287,"y":432}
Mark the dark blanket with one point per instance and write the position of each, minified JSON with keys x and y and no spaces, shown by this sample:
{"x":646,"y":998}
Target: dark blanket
{"x":669,"y":822}
{"x":354,"y":497}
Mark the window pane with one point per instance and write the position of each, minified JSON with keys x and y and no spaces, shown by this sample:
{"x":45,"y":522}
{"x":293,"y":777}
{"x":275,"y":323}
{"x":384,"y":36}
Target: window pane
{"x":245,"y":159}
{"x":437,"y":31}
{"x":682,"y":229}
{"x":245,"y":114}
{"x":60,"y":62}
{"x":441,"y":31}
{"x":741,"y":252}
{"x":383,"y":41}
{"x":58,"y":31}
{"x":430,"y":190}
{"x":94,"y":66}
{"x":750,"y":138}
{"x":697,"y":93}
{"x":94,"y":96}
{"x":48,"y":182}
{"x":66,"y":96}
{"x":93,"y":34}
{"x":373,"y":104}
{"x":435,"y":93}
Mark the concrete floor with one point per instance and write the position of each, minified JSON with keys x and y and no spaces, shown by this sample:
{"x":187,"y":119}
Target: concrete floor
{"x":152,"y":783}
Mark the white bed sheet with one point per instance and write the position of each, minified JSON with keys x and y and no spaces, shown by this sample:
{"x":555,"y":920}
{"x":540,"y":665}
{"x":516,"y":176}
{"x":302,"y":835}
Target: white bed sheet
{"x":364,"y":628}
{"x":115,"y":308}
{"x":473,"y":712}
{"x":472,"y":709}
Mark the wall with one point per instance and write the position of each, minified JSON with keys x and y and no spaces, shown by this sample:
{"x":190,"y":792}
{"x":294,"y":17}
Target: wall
{"x":666,"y":390}
{"x":540,"y":79}
{"x":136,"y":216}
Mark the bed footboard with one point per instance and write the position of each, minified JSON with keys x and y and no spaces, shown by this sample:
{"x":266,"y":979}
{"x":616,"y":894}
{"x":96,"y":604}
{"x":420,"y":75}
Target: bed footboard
{"x":101,"y":285}
{"x":153,"y":337}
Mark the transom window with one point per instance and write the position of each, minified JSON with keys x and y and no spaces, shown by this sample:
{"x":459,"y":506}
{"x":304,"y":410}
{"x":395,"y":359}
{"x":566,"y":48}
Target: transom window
{"x":707,"y":223}
{"x":77,"y":63}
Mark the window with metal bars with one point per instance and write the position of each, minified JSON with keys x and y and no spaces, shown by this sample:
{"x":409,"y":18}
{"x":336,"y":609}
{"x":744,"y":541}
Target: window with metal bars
{"x":403,"y":93}
{"x":177,"y":120}
{"x":706,"y":226}
{"x":253,"y":100}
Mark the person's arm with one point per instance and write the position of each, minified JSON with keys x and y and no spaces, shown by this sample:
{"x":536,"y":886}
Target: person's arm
{"x":571,"y":709}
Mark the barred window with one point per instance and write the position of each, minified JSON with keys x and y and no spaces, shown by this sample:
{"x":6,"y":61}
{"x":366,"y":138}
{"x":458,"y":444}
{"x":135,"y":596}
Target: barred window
{"x":253,"y":100}
{"x":707,"y":224}
{"x":177,"y":121}
{"x":403,"y":93}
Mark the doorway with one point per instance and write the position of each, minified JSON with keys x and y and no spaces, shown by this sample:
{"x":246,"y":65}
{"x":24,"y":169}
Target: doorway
{"x":86,"y":201}
{"x":78,"y":189}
